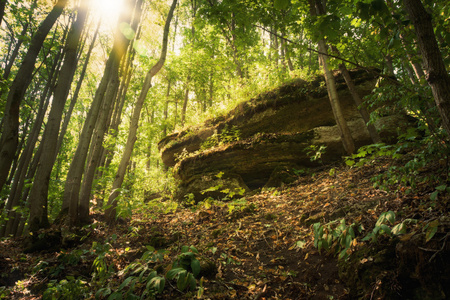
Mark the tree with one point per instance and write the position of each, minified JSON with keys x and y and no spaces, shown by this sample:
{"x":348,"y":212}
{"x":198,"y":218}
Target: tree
{"x":2,"y":9}
{"x":39,"y":192}
{"x":437,"y":75}
{"x":74,"y":176}
{"x":346,"y":136}
{"x":102,"y":125}
{"x":10,"y":126}
{"x":118,"y":180}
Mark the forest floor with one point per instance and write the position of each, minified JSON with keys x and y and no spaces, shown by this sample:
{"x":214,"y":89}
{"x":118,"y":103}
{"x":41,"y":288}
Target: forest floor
{"x":261,"y":248}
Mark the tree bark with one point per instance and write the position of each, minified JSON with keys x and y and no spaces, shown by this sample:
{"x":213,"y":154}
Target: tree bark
{"x":185,"y":102}
{"x":118,"y":180}
{"x":102,"y":125}
{"x":359,"y":103}
{"x":74,"y":99}
{"x":436,"y":73}
{"x":2,"y":9}
{"x":346,"y":136}
{"x":77,"y":166}
{"x":166,"y":109}
{"x":15,"y":52}
{"x":10,"y":128}
{"x":96,"y":151}
{"x":39,"y":192}
{"x":20,"y":176}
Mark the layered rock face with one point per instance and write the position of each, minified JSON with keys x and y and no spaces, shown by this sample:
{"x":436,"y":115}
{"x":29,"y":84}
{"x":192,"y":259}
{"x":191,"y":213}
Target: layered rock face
{"x":266,"y":140}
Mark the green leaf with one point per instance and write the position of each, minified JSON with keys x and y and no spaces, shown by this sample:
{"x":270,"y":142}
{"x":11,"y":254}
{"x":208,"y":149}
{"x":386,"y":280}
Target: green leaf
{"x":351,"y":232}
{"x":281,"y":4}
{"x":432,"y":229}
{"x":441,"y":188}
{"x":349,"y":162}
{"x":195,"y":266}
{"x":390,"y":216}
{"x":126,"y":282}
{"x":386,"y":228}
{"x":184,"y":249}
{"x":103,"y":292}
{"x":348,"y":241}
{"x":182,"y":281}
{"x":172,"y":273}
{"x":433,"y":196}
{"x":300,"y":244}
{"x":115,"y":295}
{"x":192,"y":282}
{"x":158,"y":283}
{"x":343,"y":254}
{"x":399,"y":229}
{"x":193,"y":249}
{"x":152,"y":275}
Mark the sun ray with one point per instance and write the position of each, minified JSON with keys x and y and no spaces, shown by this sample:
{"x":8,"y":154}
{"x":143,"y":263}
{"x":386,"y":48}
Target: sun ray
{"x":107,"y":10}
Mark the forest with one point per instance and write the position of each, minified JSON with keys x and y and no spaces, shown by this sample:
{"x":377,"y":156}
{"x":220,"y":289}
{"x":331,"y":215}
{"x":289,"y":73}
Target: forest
{"x":224,"y":149}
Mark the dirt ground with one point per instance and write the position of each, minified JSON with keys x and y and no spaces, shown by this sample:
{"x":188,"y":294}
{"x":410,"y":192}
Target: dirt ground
{"x":263,"y":247}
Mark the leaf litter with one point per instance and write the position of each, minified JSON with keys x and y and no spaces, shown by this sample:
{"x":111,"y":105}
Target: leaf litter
{"x":263,"y":249}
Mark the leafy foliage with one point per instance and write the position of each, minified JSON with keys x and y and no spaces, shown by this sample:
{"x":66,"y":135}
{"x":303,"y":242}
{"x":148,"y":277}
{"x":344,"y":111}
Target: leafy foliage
{"x":336,"y":238}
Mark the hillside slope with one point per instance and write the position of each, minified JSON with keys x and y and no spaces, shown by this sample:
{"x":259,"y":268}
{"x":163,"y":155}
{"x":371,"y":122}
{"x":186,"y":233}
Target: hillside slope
{"x":260,"y":247}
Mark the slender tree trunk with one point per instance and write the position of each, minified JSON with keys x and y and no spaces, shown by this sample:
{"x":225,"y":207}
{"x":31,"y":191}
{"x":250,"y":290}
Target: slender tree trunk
{"x":96,"y":150}
{"x":2,"y":9}
{"x":389,"y":65}
{"x":359,"y":103}
{"x":118,"y":180}
{"x":185,"y":102}
{"x":18,"y":183}
{"x":166,"y":109}
{"x":10,"y":128}
{"x":346,"y":136}
{"x":74,"y":99}
{"x":437,"y":76}
{"x":39,"y":192}
{"x":113,"y":95}
{"x":76,"y":169}
{"x":15,"y":52}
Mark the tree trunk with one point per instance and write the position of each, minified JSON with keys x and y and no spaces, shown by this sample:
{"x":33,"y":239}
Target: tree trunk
{"x":2,"y":9}
{"x":18,"y":183}
{"x":10,"y":128}
{"x":74,"y":99}
{"x":185,"y":102}
{"x":15,"y":52}
{"x":118,"y":180}
{"x":359,"y":103}
{"x":166,"y":109}
{"x":96,"y":150}
{"x":437,"y":76}
{"x":76,"y":169}
{"x":346,"y":136}
{"x":113,"y":95}
{"x":39,"y":192}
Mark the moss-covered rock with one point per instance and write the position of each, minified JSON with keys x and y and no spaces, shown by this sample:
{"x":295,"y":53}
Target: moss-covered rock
{"x":279,"y":132}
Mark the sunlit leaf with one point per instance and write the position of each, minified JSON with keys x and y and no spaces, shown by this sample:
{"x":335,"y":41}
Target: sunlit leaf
{"x":399,"y":229}
{"x":390,"y":216}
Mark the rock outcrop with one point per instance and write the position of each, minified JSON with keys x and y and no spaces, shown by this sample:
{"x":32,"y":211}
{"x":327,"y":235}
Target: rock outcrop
{"x":265,"y":141}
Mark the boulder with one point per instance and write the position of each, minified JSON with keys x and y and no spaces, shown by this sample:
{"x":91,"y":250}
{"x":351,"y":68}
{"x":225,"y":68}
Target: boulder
{"x":267,"y":140}
{"x":297,"y":106}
